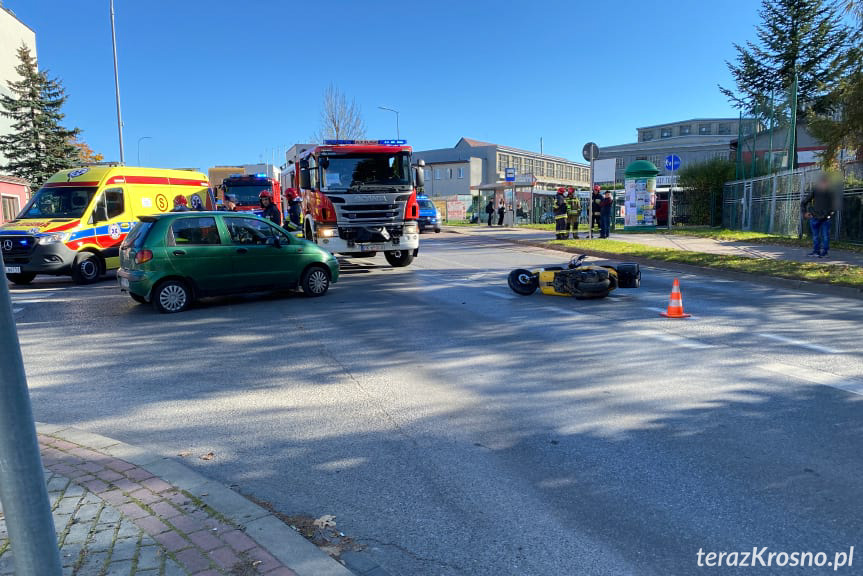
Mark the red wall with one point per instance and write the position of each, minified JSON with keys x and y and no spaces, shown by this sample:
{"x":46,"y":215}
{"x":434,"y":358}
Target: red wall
{"x":20,"y":191}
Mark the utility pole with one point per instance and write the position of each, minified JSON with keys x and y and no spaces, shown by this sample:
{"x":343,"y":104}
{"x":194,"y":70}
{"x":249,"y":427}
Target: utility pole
{"x":398,"y":134}
{"x":117,"y":86}
{"x":22,"y":482}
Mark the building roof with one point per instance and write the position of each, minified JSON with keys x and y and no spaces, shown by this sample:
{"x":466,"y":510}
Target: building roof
{"x":693,"y":120}
{"x":13,"y":179}
{"x":12,"y":14}
{"x":480,"y":144}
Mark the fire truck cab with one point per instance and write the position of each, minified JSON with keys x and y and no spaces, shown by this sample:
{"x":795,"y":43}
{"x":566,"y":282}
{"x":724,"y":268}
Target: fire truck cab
{"x":359,"y":197}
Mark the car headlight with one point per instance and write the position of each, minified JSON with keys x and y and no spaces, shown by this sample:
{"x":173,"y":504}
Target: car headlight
{"x":411,"y":228}
{"x":53,"y":238}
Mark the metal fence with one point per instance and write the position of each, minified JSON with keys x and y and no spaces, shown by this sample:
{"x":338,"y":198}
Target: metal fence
{"x":771,"y":204}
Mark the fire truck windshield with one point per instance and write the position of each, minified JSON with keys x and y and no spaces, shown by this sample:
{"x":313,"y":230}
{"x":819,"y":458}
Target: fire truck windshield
{"x":247,"y":194}
{"x":359,"y":172}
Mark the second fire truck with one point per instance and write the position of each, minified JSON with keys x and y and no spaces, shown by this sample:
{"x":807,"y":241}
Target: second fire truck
{"x":359,"y":197}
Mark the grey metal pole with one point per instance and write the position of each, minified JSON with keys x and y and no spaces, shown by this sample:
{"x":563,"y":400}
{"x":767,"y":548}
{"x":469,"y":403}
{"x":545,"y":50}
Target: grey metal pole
{"x":590,"y":199}
{"x":22,"y":482}
{"x":117,"y":86}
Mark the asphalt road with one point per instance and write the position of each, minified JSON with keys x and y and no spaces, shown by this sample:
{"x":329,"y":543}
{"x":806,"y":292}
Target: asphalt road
{"x":454,"y":428}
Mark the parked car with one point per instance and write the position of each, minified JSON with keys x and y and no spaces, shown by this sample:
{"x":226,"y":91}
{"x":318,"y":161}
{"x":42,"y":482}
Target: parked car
{"x":429,"y":214}
{"x":170,"y":260}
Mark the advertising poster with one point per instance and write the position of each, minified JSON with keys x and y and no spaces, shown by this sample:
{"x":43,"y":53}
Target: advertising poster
{"x":640,"y":203}
{"x":456,"y":210}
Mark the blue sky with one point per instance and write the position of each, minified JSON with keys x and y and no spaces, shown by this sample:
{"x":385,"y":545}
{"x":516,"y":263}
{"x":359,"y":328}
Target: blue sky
{"x":222,"y":82}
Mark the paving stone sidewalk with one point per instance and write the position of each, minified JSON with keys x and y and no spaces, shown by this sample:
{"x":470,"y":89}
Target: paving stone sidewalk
{"x":116,"y":518}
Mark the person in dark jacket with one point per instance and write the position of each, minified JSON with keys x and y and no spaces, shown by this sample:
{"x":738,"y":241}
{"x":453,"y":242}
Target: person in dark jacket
{"x":605,"y":209}
{"x":295,"y":206}
{"x":595,"y":203}
{"x":560,"y":213}
{"x":500,"y":211}
{"x":270,"y":212}
{"x":819,"y":207}
{"x":230,"y":204}
{"x":489,"y":209}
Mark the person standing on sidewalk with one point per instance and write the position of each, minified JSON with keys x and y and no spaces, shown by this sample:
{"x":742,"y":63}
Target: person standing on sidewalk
{"x":573,"y":213}
{"x":500,"y":212}
{"x":605,"y":209}
{"x":560,"y":210}
{"x":596,"y":201}
{"x":489,"y":209}
{"x":819,"y":206}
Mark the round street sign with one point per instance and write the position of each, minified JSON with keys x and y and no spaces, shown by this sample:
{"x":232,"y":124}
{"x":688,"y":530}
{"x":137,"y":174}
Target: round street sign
{"x":590,"y":151}
{"x":672,"y":162}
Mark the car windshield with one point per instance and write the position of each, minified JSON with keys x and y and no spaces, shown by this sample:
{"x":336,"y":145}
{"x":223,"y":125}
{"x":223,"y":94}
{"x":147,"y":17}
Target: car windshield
{"x":66,"y":202}
{"x":248,"y":194}
{"x":362,"y":171}
{"x":426,"y":205}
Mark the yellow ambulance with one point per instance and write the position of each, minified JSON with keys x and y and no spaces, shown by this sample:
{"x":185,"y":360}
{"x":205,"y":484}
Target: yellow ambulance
{"x":77,"y":220}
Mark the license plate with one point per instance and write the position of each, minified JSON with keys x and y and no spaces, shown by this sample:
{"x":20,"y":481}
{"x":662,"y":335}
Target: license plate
{"x":372,"y":248}
{"x":12,"y":269}
{"x":124,"y":283}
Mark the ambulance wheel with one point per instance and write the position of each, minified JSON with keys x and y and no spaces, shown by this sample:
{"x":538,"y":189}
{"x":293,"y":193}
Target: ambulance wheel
{"x":21,"y":278}
{"x":523,"y":282}
{"x":399,"y":258}
{"x":137,"y":298}
{"x":87,"y":268}
{"x":315,"y":281}
{"x":171,"y":296}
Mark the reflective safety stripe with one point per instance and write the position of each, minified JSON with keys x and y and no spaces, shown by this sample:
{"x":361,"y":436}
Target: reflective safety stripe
{"x":560,"y":216}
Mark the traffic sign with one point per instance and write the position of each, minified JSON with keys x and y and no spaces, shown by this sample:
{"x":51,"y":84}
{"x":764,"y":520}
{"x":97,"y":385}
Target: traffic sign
{"x":590,"y":151}
{"x":510,"y":174}
{"x":672,"y":162}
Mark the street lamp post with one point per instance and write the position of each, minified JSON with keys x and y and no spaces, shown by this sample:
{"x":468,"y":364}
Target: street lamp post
{"x":139,"y":146}
{"x":117,"y":86}
{"x":398,"y":135}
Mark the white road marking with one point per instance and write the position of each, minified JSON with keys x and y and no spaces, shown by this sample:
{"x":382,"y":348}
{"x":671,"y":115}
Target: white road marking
{"x":21,"y":297}
{"x":655,"y":309}
{"x":802,"y":344}
{"x":816,"y":376}
{"x":499,"y":294}
{"x":678,"y":340}
{"x":16,"y":310}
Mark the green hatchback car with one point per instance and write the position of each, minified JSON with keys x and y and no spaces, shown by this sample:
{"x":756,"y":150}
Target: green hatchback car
{"x":171,"y":259}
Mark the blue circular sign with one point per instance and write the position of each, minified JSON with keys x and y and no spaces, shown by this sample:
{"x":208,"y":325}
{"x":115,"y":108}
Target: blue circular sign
{"x":672,"y":162}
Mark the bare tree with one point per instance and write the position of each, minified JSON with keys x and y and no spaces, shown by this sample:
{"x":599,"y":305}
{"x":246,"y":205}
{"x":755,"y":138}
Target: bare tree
{"x":340,"y":120}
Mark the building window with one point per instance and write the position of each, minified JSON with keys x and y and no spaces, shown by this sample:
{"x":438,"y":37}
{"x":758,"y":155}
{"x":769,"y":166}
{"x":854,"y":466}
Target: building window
{"x":559,"y":171}
{"x":10,"y":208}
{"x":747,"y":128}
{"x":704,"y":129}
{"x":540,"y":168}
{"x":461,"y":173}
{"x":620,"y":163}
{"x":569,"y":172}
{"x":437,"y":173}
{"x":528,"y":166}
{"x":647,"y":135}
{"x":449,"y":173}
{"x":502,"y":162}
{"x":655,"y":159}
{"x":637,"y":158}
{"x":516,"y":163}
{"x":549,"y":169}
{"x":427,"y":173}
{"x":686,"y":130}
{"x":725,"y":128}
{"x":665,"y":133}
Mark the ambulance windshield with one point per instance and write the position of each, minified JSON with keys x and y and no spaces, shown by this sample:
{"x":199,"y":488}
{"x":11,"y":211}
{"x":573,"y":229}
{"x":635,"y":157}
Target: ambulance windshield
{"x":66,"y":202}
{"x":361,"y":172}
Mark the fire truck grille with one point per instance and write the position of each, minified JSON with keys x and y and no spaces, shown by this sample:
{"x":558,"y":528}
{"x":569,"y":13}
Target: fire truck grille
{"x":370,"y":213}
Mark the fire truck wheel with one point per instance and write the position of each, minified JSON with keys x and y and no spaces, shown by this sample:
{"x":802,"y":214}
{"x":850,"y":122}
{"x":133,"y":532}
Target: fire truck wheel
{"x":399,"y":258}
{"x":21,"y":278}
{"x":316,"y":281}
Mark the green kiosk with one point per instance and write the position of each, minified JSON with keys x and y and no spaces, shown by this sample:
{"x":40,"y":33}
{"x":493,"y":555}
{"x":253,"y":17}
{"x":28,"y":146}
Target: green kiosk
{"x":640,"y":196}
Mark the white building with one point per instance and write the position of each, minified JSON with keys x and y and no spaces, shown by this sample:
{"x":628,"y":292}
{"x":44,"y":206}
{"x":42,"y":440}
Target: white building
{"x":13,"y":34}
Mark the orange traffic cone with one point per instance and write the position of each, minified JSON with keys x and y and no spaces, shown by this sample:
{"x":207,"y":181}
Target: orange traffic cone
{"x":675,"y":303}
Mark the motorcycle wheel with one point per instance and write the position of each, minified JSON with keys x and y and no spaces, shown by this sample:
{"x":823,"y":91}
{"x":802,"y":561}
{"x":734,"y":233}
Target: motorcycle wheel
{"x":523,"y":282}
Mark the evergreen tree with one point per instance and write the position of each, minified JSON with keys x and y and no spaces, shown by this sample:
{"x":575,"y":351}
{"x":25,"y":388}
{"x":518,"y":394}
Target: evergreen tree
{"x":803,"y":36}
{"x":38,"y":145}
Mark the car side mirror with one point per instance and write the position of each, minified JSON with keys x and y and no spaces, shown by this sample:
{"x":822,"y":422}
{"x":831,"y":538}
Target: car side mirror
{"x":274,"y":242}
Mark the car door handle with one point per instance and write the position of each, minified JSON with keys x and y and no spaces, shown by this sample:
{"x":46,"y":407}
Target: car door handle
{"x":179,"y":252}
{"x":241,"y":250}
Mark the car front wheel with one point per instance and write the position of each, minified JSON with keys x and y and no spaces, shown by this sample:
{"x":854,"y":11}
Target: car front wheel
{"x":21,"y":278}
{"x":316,"y":281}
{"x":171,"y":296}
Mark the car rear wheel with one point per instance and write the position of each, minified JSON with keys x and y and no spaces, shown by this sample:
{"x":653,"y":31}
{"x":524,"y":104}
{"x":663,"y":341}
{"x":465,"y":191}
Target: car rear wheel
{"x":87,"y":268}
{"x":171,"y":296}
{"x":523,"y":282}
{"x":399,"y":258}
{"x":315,"y":281}
{"x":21,"y":278}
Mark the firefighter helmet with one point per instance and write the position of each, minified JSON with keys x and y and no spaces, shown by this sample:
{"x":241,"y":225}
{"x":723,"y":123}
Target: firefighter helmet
{"x":181,"y":201}
{"x":265,"y":194}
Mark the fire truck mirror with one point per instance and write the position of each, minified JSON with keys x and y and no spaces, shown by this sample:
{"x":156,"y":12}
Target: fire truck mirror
{"x":304,"y":164}
{"x":420,"y":177}
{"x":305,"y":178}
{"x":324,"y":162}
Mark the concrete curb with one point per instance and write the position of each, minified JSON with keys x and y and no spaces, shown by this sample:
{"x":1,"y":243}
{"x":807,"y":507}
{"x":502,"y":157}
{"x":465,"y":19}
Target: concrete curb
{"x":787,"y":283}
{"x":279,"y":540}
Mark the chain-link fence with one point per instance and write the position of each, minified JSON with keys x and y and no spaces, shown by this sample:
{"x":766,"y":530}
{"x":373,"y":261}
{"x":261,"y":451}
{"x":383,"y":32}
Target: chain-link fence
{"x":771,"y":204}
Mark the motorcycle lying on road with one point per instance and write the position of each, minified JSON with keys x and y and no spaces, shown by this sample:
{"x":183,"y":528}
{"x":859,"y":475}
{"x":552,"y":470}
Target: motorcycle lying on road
{"x":583,"y":281}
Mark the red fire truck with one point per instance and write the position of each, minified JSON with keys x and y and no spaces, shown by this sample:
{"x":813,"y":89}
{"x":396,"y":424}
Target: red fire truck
{"x":248,"y":187}
{"x":359,"y":197}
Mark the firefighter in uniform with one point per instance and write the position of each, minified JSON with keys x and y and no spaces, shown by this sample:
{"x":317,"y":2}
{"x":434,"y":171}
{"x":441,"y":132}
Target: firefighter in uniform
{"x":560,"y":215}
{"x":573,"y":213}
